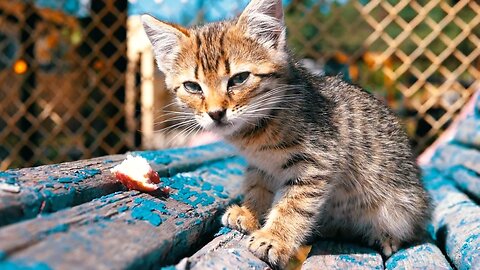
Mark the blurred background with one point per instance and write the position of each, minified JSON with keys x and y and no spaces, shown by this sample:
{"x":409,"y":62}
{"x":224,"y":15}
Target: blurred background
{"x":77,"y":77}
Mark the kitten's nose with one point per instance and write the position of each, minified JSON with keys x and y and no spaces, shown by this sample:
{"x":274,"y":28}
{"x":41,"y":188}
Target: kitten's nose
{"x":217,"y":115}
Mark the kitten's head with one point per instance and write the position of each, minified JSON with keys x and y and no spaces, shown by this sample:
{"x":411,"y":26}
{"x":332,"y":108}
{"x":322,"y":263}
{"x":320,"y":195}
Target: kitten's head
{"x":224,"y":72}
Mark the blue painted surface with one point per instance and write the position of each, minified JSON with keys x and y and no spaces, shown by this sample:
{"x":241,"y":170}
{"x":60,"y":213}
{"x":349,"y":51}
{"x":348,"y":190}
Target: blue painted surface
{"x":149,"y":210}
{"x":456,"y":219}
{"x":19,"y":265}
{"x":223,"y":230}
{"x":421,"y":256}
{"x":9,"y":177}
{"x":194,"y":191}
{"x":167,"y":156}
{"x":452,"y":178}
{"x":59,"y":191}
{"x":59,"y":228}
{"x":123,"y":208}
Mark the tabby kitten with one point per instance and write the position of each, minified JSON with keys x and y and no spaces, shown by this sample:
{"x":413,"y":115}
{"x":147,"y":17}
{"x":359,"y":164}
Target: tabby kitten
{"x":325,"y":156}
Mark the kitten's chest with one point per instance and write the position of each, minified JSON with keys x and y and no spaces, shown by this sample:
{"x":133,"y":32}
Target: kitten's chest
{"x":270,"y":162}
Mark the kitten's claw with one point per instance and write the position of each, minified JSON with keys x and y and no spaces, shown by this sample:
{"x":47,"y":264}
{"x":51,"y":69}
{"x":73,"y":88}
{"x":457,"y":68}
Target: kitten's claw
{"x":270,"y":248}
{"x":240,"y":218}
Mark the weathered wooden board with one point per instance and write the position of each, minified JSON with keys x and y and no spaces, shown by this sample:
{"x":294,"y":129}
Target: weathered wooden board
{"x":50,"y":188}
{"x":456,"y":221}
{"x":425,"y":256}
{"x":468,"y":131}
{"x":127,"y":229}
{"x":327,"y":254}
{"x":461,"y":164}
{"x":227,"y":251}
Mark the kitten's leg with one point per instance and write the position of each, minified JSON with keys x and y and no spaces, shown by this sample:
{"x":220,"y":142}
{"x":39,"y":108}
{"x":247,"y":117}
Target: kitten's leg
{"x":258,"y":199}
{"x":289,"y":223}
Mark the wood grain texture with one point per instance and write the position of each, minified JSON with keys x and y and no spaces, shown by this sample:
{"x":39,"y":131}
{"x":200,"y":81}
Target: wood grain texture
{"x":327,"y":254}
{"x":461,"y":164}
{"x":49,"y":188}
{"x":456,"y":220}
{"x":226,"y":251}
{"x":425,"y":256}
{"x":128,"y":229}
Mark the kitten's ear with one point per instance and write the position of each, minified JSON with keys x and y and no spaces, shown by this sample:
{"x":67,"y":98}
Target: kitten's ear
{"x":165,"y":39}
{"x":263,"y":20}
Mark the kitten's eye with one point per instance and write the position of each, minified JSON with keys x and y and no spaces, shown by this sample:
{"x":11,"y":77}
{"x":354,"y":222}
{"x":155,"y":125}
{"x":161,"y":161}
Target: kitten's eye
{"x":238,"y":79}
{"x":192,"y":87}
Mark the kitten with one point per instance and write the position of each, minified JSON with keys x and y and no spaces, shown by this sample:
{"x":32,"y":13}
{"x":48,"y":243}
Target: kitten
{"x":325,"y":156}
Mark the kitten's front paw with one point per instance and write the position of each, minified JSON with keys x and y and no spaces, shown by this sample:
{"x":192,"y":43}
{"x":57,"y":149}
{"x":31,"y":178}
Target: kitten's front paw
{"x":240,"y":218}
{"x":270,"y":248}
{"x":389,"y":246}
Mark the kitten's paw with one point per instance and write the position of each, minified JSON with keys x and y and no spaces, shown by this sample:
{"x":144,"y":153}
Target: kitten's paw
{"x":241,"y":219}
{"x":270,"y":248}
{"x":389,"y":246}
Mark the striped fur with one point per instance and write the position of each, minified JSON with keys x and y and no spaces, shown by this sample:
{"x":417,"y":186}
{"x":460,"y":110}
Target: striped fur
{"x":326,"y":156}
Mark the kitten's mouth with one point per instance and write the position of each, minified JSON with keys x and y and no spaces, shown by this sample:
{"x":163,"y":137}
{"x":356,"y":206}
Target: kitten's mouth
{"x":220,"y":124}
{"x":222,"y":127}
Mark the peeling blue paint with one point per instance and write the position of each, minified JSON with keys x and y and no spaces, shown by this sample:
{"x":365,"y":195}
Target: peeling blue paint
{"x":393,"y":261}
{"x":149,"y":210}
{"x":348,"y":258}
{"x":457,"y":215}
{"x":218,"y":188}
{"x":187,"y":184}
{"x":206,"y":186}
{"x":20,"y":265}
{"x":59,"y":228}
{"x":110,"y":198}
{"x":122,"y":209}
{"x":65,"y":180}
{"x":48,"y":185}
{"x":171,"y":267}
{"x":87,"y":173}
{"x":223,"y":230}
{"x":143,"y":213}
{"x":9,"y":177}
{"x":77,"y":177}
{"x":158,"y":157}
{"x":471,"y":245}
{"x":153,"y":205}
{"x":168,"y":156}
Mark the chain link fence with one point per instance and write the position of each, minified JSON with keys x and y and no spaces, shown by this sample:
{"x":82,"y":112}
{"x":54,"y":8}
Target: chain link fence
{"x":71,"y":88}
{"x":62,"y":82}
{"x":422,"y":57}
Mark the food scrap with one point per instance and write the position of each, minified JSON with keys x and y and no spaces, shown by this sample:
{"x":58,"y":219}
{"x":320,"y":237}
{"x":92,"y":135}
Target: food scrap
{"x":135,"y":173}
{"x":9,"y":187}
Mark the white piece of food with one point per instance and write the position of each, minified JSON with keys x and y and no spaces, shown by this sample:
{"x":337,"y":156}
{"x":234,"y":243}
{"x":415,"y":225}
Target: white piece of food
{"x":135,"y":173}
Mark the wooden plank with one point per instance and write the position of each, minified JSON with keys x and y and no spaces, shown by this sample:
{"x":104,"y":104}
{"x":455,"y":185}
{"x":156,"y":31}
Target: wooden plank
{"x":227,"y":251}
{"x":49,"y":188}
{"x":423,"y":256}
{"x":455,"y":222}
{"x":460,"y":164}
{"x":468,"y":131}
{"x":128,"y":229}
{"x":327,"y":254}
